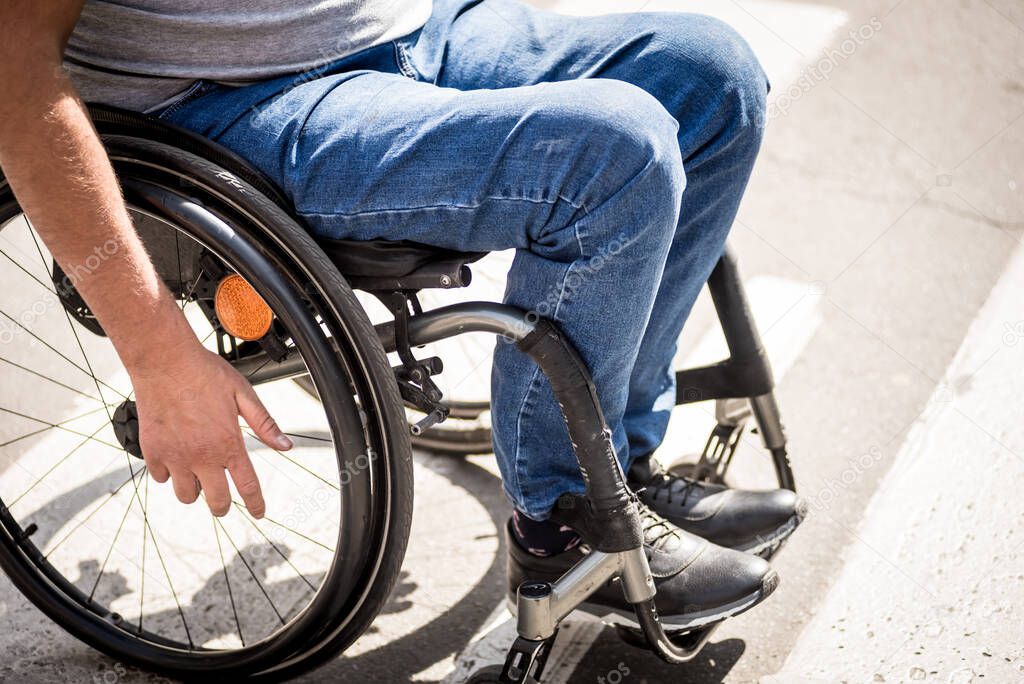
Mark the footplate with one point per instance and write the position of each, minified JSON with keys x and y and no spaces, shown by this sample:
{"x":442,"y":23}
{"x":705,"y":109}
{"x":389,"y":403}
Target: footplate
{"x":687,"y":642}
{"x":718,"y":453}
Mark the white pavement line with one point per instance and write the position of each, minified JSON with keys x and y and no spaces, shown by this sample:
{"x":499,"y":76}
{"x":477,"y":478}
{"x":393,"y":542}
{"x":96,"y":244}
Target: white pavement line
{"x":938,"y":596}
{"x":576,"y":636}
{"x":789,"y":313}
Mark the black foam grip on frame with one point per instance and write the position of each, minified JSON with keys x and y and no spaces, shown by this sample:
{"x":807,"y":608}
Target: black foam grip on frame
{"x":607,"y":518}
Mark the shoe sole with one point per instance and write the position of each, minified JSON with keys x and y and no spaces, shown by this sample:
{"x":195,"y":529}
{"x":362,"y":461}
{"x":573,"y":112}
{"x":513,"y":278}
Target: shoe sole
{"x":685,"y":621}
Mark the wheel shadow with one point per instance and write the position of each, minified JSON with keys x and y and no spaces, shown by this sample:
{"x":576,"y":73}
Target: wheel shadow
{"x":449,"y":633}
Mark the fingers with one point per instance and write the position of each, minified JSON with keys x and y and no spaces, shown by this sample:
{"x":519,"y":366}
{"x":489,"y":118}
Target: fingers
{"x":213,"y":483}
{"x":185,"y":486}
{"x":215,"y":490}
{"x":258,"y":418}
{"x":158,"y":470}
{"x":247,"y":484}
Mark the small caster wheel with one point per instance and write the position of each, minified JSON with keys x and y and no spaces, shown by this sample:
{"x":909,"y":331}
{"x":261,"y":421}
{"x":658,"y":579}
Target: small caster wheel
{"x":488,"y":675}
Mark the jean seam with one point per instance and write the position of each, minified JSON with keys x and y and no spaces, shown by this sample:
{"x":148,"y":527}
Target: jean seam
{"x":446,"y":206}
{"x":531,"y":389}
{"x":520,"y":463}
{"x":579,"y":246}
{"x":403,"y":61}
{"x":188,"y":96}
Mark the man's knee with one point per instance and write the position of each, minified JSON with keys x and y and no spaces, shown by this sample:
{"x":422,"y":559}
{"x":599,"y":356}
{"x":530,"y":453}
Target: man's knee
{"x":623,"y":142}
{"x":727,"y":76}
{"x":733,"y":66}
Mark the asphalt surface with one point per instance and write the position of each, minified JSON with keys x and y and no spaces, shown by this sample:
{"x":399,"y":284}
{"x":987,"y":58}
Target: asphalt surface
{"x":884,"y":209}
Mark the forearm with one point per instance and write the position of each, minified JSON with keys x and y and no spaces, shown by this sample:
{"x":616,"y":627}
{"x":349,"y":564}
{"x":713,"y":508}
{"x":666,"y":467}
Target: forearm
{"x":62,"y":177}
{"x":189,"y":399}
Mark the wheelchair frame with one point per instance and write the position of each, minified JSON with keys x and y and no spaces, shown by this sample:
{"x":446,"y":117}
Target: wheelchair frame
{"x":607,"y":516}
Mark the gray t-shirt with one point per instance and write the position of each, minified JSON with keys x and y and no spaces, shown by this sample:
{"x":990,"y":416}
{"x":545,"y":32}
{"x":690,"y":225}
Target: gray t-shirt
{"x":143,"y":54}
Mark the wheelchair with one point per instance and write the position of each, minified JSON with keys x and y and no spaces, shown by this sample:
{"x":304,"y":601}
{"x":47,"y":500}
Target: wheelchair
{"x":125,"y":568}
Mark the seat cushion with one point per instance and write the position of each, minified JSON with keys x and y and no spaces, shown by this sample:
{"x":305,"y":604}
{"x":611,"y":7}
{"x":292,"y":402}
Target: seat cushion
{"x":398,"y":264}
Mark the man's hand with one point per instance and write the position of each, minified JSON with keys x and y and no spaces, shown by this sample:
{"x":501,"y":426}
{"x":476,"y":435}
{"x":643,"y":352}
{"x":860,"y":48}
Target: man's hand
{"x":189,"y":432}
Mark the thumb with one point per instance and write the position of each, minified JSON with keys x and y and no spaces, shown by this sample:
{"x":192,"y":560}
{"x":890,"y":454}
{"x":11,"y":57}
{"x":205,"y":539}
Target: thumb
{"x":259,"y":419}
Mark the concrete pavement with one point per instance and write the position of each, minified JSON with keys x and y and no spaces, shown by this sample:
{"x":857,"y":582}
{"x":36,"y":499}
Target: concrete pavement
{"x":885,"y":207}
{"x":933,"y":588}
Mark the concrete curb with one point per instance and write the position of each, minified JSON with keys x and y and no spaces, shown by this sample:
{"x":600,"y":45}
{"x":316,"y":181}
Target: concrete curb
{"x":933,"y":587}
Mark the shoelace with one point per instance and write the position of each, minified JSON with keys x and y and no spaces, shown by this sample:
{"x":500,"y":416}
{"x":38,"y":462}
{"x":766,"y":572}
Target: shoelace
{"x":657,"y":531}
{"x":671,"y":484}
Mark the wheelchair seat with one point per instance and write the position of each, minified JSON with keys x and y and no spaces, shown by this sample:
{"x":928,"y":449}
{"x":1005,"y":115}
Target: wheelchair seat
{"x":399,"y":265}
{"x":373,"y":265}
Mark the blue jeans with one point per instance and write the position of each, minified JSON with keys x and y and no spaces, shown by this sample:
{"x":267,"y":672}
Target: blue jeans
{"x":611,"y":152}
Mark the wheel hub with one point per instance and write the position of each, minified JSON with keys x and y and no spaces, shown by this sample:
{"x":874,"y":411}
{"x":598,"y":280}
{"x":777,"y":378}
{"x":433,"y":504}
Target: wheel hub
{"x":126,"y":427}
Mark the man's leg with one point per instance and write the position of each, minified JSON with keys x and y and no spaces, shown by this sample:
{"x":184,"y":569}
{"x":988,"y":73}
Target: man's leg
{"x":698,"y":69}
{"x":706,"y":77}
{"x":367,"y":155}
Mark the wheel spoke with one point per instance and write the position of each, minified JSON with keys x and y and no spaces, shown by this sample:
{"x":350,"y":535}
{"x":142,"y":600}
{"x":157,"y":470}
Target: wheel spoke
{"x":177,"y":256}
{"x":191,"y":289}
{"x":227,"y":580}
{"x":287,"y":560}
{"x":55,"y":466}
{"x":61,"y":354}
{"x":298,"y":435}
{"x":142,"y":569}
{"x":288,"y":529}
{"x":48,"y":424}
{"x":113,"y":542}
{"x":48,"y":379}
{"x":131,"y":500}
{"x":167,"y":574}
{"x":296,"y":463}
{"x":108,"y":499}
{"x":31,"y":275}
{"x":74,"y":330}
{"x":58,"y":426}
{"x":257,"y":369}
{"x":252,"y":573}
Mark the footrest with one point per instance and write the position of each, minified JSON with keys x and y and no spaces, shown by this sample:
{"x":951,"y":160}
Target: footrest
{"x":688,"y":641}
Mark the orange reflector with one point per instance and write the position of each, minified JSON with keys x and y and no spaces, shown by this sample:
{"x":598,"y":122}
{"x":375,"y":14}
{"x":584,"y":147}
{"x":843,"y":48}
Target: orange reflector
{"x":241,"y":311}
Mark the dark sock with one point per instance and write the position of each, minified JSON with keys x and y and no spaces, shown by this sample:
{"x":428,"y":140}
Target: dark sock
{"x":544,"y":537}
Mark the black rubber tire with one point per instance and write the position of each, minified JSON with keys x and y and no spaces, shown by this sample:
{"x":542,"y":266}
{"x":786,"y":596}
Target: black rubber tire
{"x":450,"y":440}
{"x":357,"y":588}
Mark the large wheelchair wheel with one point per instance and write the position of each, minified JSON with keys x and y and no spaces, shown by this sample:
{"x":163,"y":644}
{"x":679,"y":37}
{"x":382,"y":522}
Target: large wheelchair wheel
{"x":113,"y":558}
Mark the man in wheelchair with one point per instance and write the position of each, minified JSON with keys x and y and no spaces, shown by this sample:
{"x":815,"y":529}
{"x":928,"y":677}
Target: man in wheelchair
{"x":611,"y":152}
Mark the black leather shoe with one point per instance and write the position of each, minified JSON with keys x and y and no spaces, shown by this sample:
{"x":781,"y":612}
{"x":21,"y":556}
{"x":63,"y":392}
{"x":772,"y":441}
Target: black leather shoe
{"x":753,"y":521}
{"x":698,"y":582}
